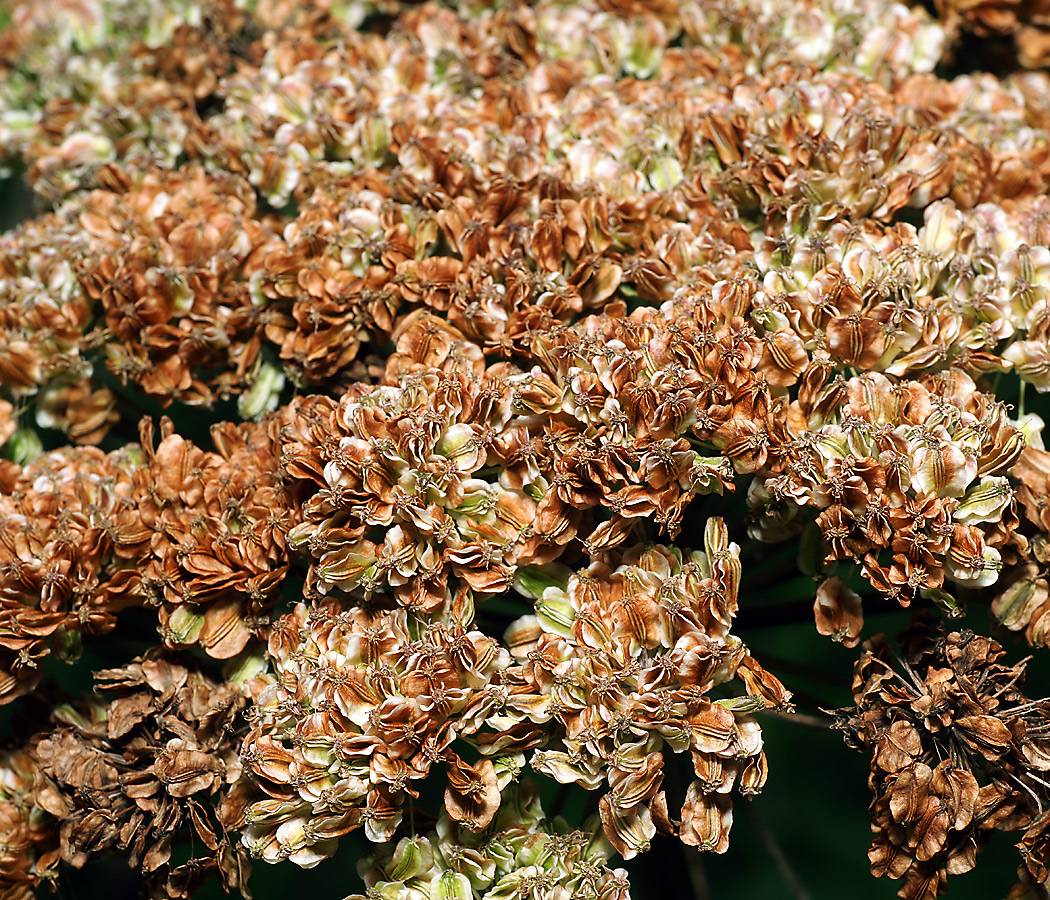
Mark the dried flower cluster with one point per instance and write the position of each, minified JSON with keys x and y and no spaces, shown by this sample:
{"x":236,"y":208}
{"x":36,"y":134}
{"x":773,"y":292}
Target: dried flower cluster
{"x":199,"y":535}
{"x":60,"y":576}
{"x":359,"y":708}
{"x":909,"y":482}
{"x":28,"y":853}
{"x":490,"y":309}
{"x":957,"y":751}
{"x":519,"y":855}
{"x":133,"y":772}
{"x":626,"y":658}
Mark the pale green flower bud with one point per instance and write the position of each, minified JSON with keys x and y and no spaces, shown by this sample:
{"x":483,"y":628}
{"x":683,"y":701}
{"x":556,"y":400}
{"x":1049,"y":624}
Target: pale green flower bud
{"x":17,"y":122}
{"x":24,"y":446}
{"x":84,"y":149}
{"x":1015,"y":605}
{"x":664,"y":172}
{"x":450,"y":886}
{"x":508,"y":769}
{"x":375,"y":138}
{"x":264,"y":394}
{"x":944,"y":470}
{"x":940,"y":234}
{"x":185,"y":624}
{"x":972,"y":575}
{"x":532,"y":581}
{"x":708,"y":474}
{"x":833,"y":446}
{"x":949,"y":606}
{"x":743,"y":705}
{"x":513,"y":885}
{"x":301,"y":534}
{"x":562,"y":769}
{"x":412,"y":857}
{"x":770,"y":319}
{"x":811,"y":551}
{"x":1031,"y":427}
{"x":247,"y":664}
{"x":647,"y":42}
{"x":984,"y":502}
{"x":555,"y":612}
{"x":67,"y":644}
{"x":349,"y":567}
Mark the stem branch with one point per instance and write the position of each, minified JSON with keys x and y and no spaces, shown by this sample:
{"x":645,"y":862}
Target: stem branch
{"x":776,"y":854}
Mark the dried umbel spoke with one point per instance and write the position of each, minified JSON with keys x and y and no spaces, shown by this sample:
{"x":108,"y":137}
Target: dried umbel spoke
{"x":150,"y":760}
{"x":957,"y":751}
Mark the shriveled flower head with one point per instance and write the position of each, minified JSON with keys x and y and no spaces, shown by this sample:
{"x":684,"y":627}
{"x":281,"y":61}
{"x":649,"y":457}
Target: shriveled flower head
{"x":621,"y":663}
{"x":173,"y":255}
{"x":957,"y":751}
{"x":45,"y":328}
{"x":408,"y":501}
{"x":148,"y":761}
{"x":456,"y":473}
{"x":884,"y":41}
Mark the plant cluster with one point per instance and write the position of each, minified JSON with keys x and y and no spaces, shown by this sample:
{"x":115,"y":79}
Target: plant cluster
{"x":417,"y":378}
